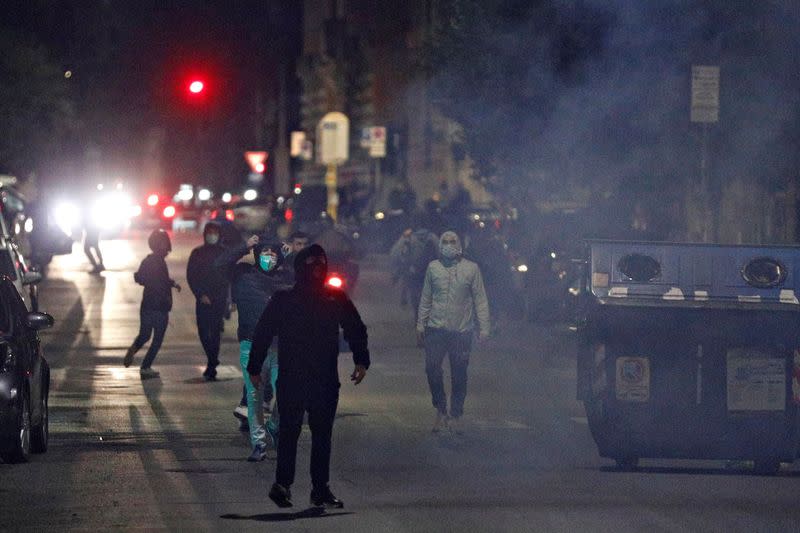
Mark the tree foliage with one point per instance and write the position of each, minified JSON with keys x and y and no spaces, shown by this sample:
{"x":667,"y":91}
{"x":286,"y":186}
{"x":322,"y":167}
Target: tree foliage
{"x":36,"y":112}
{"x":498,"y":67}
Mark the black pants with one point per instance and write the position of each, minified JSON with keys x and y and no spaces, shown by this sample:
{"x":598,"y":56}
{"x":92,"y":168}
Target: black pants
{"x":295,"y":397}
{"x":151,"y":323}
{"x":209,"y":327}
{"x":438,"y":344}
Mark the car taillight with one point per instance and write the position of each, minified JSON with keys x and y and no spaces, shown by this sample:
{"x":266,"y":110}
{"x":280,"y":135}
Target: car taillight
{"x":169,"y":211}
{"x":229,"y":215}
{"x":152,"y":200}
{"x":334,"y":281}
{"x":288,"y":215}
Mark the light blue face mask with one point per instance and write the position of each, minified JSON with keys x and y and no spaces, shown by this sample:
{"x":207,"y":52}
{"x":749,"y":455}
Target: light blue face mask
{"x":266,"y":262}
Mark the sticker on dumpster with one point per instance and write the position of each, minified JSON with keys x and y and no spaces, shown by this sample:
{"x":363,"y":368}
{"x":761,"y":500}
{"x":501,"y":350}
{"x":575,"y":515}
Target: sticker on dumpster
{"x":756,"y":381}
{"x":633,"y":379}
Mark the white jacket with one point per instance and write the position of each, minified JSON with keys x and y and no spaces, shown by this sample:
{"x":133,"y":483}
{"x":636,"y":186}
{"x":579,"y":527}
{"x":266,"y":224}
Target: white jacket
{"x":452,"y":296}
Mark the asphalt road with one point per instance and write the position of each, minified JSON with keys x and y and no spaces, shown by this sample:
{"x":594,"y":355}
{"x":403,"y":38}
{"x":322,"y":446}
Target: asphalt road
{"x":166,"y":454}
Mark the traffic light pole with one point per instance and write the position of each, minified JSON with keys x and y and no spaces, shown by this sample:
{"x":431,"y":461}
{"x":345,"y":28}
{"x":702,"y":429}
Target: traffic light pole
{"x":333,"y":195}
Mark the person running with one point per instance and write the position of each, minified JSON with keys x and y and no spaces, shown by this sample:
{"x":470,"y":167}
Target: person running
{"x":91,"y":247}
{"x":156,"y":302}
{"x":306,"y":321}
{"x":252,"y":286}
{"x":210,"y":289}
{"x":452,"y":296}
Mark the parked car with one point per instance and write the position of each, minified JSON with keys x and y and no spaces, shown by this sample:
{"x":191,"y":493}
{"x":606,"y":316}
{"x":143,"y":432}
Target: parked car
{"x":24,"y":378}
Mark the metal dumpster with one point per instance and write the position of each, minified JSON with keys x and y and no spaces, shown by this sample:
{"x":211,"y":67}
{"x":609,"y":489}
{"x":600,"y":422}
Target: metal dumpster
{"x":691,"y":351}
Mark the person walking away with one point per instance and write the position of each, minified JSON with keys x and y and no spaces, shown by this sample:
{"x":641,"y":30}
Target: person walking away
{"x":210,"y":289}
{"x":452,"y":298}
{"x":306,"y":321}
{"x":252,"y":286}
{"x":91,"y":246}
{"x":156,"y":302}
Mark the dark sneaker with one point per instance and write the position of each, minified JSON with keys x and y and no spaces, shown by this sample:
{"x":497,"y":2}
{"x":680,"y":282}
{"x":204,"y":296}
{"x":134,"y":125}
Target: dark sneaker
{"x":210,"y":377}
{"x":148,"y":373}
{"x":128,"y":360}
{"x":272,"y":431}
{"x":280,"y":495}
{"x":259,"y":454}
{"x":325,"y":498}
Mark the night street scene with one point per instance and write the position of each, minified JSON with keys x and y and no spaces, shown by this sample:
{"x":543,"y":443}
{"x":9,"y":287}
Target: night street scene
{"x":422,"y":266}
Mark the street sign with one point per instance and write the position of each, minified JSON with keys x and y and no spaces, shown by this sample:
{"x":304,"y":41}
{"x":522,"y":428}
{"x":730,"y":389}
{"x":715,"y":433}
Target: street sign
{"x":705,"y":93}
{"x":366,"y":138}
{"x":377,"y":146}
{"x":256,"y":160}
{"x":297,"y":140}
{"x":333,"y":139}
{"x":307,"y":150}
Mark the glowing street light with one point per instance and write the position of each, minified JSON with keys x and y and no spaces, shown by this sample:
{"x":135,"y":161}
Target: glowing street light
{"x":196,"y":87}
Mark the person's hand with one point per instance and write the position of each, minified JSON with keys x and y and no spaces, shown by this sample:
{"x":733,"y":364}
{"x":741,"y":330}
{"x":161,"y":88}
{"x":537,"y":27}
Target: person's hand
{"x":420,"y":339}
{"x":255,"y":379}
{"x":285,"y":249}
{"x":358,"y":374}
{"x":205,"y":300}
{"x":252,"y":241}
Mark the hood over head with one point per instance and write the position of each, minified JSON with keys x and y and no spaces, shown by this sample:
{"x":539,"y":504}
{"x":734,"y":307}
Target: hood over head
{"x":311,"y":266}
{"x":275,"y":247}
{"x":159,"y":242}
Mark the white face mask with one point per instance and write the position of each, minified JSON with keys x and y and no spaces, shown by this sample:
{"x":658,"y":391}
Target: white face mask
{"x":212,"y":238}
{"x":450,"y":251}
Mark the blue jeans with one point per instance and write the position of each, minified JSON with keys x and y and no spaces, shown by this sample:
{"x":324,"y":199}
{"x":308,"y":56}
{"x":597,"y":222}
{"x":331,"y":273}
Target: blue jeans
{"x":151,"y":323}
{"x":255,"y":397}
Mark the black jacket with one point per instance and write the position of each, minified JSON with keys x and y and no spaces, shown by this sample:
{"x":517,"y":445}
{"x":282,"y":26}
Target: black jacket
{"x":251,"y":288}
{"x":153,"y":274}
{"x":307,"y":323}
{"x":204,"y":279}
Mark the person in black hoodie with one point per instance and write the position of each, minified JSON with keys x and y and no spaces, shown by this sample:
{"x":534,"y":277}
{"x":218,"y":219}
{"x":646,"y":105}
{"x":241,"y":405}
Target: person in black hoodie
{"x":156,"y":301}
{"x":210,"y":290}
{"x":306,"y":320}
{"x":252,"y":286}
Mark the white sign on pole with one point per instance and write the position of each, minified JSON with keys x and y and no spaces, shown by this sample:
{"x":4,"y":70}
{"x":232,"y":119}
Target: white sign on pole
{"x":366,"y":138}
{"x":333,"y":139}
{"x":705,"y":93}
{"x":377,"y":145}
{"x":307,"y":150}
{"x":297,"y":140}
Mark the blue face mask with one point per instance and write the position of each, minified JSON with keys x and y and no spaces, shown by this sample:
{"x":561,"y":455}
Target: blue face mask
{"x":266,"y":262}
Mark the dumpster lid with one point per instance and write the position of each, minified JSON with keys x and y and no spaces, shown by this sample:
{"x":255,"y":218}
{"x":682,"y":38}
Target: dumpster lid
{"x":694,"y":275}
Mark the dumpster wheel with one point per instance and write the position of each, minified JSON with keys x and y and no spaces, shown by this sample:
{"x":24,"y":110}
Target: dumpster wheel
{"x":627,"y":463}
{"x":766,"y":467}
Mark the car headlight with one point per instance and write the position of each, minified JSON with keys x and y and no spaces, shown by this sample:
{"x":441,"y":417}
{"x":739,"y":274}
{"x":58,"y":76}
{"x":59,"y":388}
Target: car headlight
{"x":67,"y":217}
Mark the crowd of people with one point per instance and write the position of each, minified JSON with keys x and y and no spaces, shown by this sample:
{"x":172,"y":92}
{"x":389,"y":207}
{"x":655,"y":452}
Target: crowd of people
{"x":282,"y":294}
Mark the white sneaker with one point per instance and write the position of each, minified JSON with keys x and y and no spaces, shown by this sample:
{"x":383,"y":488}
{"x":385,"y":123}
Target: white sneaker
{"x":148,"y":373}
{"x":440,"y":423}
{"x":240,"y":412}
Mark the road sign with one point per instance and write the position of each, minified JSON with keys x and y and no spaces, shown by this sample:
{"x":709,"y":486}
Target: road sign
{"x":297,"y":140}
{"x":377,"y":146}
{"x":705,"y":93}
{"x":366,"y":138}
{"x":307,"y":150}
{"x":256,"y":160}
{"x":333,"y":139}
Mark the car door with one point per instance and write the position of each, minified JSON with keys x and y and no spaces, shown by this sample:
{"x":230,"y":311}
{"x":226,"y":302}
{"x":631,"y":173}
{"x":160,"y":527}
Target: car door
{"x":25,"y":343}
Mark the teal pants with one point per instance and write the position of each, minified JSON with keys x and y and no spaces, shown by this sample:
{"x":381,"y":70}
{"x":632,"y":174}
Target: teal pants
{"x":255,"y":397}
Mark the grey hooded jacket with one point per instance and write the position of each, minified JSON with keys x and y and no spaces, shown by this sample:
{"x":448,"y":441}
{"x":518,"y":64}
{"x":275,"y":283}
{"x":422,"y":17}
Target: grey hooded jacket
{"x":452,"y":296}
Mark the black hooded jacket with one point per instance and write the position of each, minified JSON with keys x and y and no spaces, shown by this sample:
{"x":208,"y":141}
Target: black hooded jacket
{"x":306,"y":320}
{"x":203,"y":278}
{"x":251,"y":287}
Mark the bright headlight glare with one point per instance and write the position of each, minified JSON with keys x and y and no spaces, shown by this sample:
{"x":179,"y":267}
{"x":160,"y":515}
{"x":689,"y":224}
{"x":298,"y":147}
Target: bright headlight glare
{"x":67,"y":217}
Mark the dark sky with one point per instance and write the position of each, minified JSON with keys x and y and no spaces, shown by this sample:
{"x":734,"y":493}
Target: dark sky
{"x":131,"y":62}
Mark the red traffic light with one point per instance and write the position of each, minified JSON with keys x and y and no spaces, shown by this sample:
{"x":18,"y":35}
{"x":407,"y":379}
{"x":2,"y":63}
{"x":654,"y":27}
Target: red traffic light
{"x":196,"y":87}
